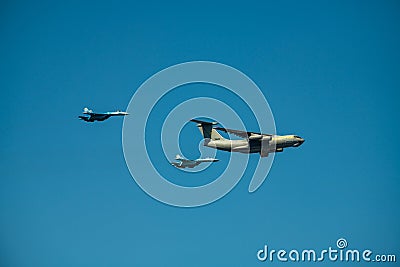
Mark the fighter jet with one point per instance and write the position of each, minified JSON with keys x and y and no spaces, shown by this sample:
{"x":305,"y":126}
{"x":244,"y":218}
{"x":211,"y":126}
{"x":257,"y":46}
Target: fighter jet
{"x":91,"y":116}
{"x":187,"y":163}
{"x":252,"y":142}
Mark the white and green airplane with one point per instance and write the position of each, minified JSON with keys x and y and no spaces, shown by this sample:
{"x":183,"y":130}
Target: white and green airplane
{"x":253,"y":142}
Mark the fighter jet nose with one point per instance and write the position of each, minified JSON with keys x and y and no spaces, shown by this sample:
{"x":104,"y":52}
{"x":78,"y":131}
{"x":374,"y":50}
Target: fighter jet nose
{"x":298,"y":141}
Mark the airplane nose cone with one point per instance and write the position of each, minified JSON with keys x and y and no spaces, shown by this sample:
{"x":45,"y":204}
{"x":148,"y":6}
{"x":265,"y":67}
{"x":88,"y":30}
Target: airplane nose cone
{"x":299,"y":141}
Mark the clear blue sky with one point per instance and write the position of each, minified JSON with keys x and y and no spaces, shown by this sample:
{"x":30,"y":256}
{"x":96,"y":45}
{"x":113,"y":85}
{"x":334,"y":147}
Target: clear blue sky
{"x":330,"y":72}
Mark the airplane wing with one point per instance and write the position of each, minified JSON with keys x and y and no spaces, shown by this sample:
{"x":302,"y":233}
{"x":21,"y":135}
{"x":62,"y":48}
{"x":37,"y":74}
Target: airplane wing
{"x":239,"y":133}
{"x":102,"y":117}
{"x":185,"y":160}
{"x":243,"y":134}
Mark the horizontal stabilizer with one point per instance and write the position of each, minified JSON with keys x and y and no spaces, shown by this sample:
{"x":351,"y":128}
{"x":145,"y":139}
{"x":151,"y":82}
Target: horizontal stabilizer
{"x":204,"y":122}
{"x":207,"y":130}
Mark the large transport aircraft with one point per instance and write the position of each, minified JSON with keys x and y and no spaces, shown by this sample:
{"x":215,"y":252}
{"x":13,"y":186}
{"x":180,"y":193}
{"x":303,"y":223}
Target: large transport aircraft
{"x":252,"y":142}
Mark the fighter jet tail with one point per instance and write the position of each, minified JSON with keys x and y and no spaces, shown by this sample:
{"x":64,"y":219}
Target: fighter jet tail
{"x":178,"y":157}
{"x":87,"y":111}
{"x":83,"y":118}
{"x":207,"y":130}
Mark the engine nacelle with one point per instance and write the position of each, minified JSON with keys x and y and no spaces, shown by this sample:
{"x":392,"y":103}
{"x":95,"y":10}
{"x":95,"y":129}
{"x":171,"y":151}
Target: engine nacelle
{"x":255,"y":137}
{"x":266,"y":138}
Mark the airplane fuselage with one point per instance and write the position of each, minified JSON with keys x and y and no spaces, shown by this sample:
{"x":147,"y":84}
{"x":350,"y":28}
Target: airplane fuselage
{"x":187,"y":163}
{"x":90,"y":116}
{"x":276,"y":144}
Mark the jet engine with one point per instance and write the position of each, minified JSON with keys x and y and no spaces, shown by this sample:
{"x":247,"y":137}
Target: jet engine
{"x":255,"y":137}
{"x":266,"y":138}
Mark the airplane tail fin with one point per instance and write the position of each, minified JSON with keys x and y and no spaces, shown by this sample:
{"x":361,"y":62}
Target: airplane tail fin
{"x":207,"y":130}
{"x":86,"y":110}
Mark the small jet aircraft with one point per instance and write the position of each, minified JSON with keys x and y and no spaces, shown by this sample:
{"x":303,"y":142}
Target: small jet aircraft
{"x":252,"y":143}
{"x":91,"y":116}
{"x":187,"y":163}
